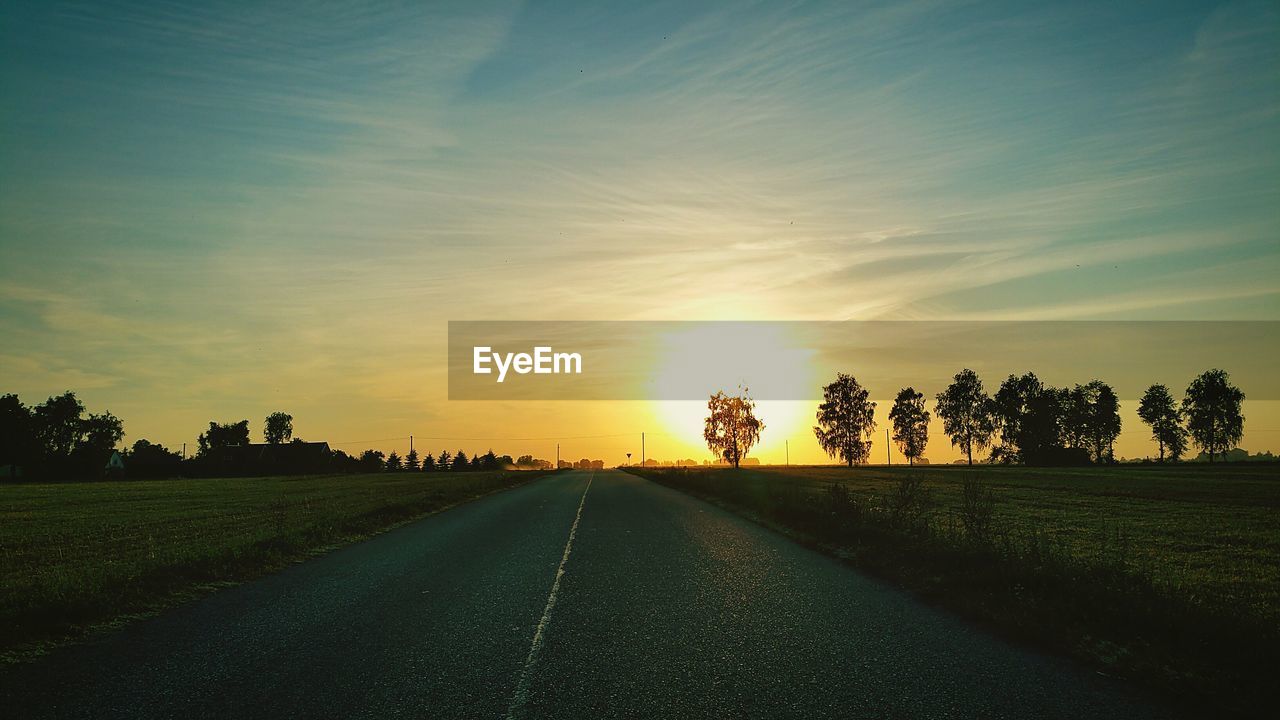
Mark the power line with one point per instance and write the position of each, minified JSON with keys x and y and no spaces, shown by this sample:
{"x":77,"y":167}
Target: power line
{"x":363,"y":442}
{"x":486,"y":437}
{"x":525,"y":439}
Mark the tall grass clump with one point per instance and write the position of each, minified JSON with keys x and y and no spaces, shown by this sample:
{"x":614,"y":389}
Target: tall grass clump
{"x":977,"y":509}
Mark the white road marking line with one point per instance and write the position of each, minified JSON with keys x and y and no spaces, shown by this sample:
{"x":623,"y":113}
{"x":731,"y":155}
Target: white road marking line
{"x":521,"y":696}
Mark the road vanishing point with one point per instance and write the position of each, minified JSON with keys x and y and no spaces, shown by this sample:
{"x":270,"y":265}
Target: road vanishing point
{"x":579,"y":595}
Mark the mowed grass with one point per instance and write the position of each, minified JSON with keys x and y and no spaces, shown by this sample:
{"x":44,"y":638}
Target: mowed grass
{"x":1169,"y":575}
{"x":73,"y":555}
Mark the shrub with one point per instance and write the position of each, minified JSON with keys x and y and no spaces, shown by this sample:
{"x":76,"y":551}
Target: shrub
{"x":907,"y":503}
{"x":977,"y":509}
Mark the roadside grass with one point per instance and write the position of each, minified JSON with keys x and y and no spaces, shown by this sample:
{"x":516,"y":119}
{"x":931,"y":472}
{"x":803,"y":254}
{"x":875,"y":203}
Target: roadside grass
{"x":1169,"y":576}
{"x":78,"y":555}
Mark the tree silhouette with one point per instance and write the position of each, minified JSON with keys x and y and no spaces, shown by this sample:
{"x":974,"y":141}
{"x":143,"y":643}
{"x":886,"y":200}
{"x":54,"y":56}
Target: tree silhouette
{"x":411,"y":461}
{"x":146,"y":451}
{"x":58,"y":425}
{"x":55,"y":438}
{"x":1039,"y":437}
{"x":445,"y":462}
{"x":220,"y":436}
{"x":1176,"y":440}
{"x":148,"y":459}
{"x":530,"y":462}
{"x":910,"y":423}
{"x":1077,"y":413}
{"x":731,"y":426}
{"x":1212,"y":408}
{"x":460,"y":461}
{"x":965,"y":410}
{"x":846,"y":420}
{"x":278,"y":428}
{"x":1011,"y":409}
{"x":1158,"y":409}
{"x":371,"y":460}
{"x":393,"y":463}
{"x":17,"y":435}
{"x":428,"y":463}
{"x":101,"y":433}
{"x":1104,"y":421}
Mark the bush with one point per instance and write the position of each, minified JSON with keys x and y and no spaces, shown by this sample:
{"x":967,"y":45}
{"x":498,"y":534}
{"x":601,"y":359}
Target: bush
{"x":908,"y":501}
{"x":977,"y":509}
{"x":838,"y":498}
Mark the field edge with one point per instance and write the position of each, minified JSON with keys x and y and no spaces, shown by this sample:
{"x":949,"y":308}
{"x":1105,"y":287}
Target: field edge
{"x":920,"y":577}
{"x":265,"y":558}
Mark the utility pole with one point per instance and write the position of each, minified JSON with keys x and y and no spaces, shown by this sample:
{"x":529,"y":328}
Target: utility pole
{"x":410,"y":443}
{"x":184,"y":451}
{"x":557,"y":456}
{"x":641,"y":449}
{"x":887,"y":457}
{"x":788,"y":453}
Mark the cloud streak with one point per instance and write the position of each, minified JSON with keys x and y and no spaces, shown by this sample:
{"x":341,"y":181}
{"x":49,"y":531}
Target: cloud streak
{"x":251,"y":201}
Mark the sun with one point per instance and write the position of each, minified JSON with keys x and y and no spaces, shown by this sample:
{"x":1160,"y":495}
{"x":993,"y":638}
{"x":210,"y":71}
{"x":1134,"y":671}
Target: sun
{"x":764,"y":358}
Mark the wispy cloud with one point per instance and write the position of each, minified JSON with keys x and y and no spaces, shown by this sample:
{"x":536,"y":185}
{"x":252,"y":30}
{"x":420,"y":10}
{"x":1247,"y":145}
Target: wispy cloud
{"x":249,"y":202}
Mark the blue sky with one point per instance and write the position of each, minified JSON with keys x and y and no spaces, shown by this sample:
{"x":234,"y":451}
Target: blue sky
{"x":231,"y":204}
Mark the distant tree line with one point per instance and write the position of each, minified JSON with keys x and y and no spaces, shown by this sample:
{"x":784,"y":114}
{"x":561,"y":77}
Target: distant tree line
{"x":1026,"y":421}
{"x":58,"y":440}
{"x":55,"y":438}
{"x":1029,"y":422}
{"x":377,"y":461}
{"x":583,"y":464}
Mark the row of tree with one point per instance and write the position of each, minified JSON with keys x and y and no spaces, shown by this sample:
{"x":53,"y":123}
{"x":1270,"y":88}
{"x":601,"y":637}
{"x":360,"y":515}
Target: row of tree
{"x":58,"y":439}
{"x":377,"y":461}
{"x":1025,"y":421}
{"x":1030,"y":422}
{"x":55,"y":437}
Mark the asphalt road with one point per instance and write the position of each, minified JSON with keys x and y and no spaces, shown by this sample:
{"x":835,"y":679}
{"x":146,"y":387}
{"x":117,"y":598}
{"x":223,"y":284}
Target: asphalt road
{"x":579,"y":595}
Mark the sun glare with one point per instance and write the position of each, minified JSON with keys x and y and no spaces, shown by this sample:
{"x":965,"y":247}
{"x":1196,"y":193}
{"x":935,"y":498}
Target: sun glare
{"x":764,"y":358}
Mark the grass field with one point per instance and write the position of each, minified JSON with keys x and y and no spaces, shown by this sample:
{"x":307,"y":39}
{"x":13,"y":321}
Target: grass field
{"x":73,"y":555}
{"x":1169,"y":575}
